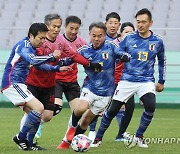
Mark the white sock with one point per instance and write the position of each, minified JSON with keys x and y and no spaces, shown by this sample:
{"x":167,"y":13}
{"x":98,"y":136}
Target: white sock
{"x":69,"y":125}
{"x":23,"y":120}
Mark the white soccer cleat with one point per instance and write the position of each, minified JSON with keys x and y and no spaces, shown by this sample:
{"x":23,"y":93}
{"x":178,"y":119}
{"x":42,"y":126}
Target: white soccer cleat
{"x":141,"y":142}
{"x":130,"y":140}
{"x":96,"y":143}
{"x":92,"y":135}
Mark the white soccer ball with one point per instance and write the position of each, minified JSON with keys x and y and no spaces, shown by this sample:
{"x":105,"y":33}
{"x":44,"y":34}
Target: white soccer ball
{"x":81,"y":143}
{"x":130,"y":140}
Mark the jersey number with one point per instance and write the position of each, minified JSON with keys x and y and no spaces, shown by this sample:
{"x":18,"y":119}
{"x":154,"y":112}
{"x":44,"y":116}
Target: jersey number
{"x":142,"y":56}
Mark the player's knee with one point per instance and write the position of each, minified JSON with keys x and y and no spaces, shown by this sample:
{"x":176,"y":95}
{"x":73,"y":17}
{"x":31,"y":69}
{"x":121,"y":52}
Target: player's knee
{"x":149,"y":101}
{"x":47,"y":117}
{"x":114,"y":108}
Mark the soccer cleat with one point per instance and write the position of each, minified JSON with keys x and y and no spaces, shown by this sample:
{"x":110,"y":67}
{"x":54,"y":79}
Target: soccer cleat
{"x":130,"y":140}
{"x":39,"y":132}
{"x":96,"y":143}
{"x":120,"y":139}
{"x":92,"y":135}
{"x":70,"y":134}
{"x":23,"y":144}
{"x":63,"y":145}
{"x":141,"y":142}
{"x":36,"y":147}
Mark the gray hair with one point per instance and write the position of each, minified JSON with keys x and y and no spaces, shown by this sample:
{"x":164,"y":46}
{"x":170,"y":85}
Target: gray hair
{"x":49,"y":17}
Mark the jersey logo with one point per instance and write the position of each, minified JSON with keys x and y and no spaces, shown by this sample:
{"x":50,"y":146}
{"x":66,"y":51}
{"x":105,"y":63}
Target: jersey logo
{"x":105,"y":55}
{"x":84,"y":94}
{"x":90,"y":58}
{"x":116,"y":92}
{"x":134,"y":46}
{"x":152,"y":46}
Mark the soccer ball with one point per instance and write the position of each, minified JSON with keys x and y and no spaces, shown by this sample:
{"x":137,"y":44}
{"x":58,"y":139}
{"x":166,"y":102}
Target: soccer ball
{"x":130,"y":140}
{"x":80,"y":143}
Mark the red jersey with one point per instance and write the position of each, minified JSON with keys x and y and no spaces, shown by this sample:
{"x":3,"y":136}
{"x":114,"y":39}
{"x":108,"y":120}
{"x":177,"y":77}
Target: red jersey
{"x":40,"y":78}
{"x":65,"y":44}
{"x":118,"y":69}
{"x":45,"y":79}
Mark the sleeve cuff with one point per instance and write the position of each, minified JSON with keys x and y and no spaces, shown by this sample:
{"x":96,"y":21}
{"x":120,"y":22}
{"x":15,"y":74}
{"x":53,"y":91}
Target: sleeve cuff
{"x":161,"y":81}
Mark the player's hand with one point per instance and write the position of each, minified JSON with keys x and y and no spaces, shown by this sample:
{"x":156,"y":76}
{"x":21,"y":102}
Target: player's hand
{"x":125,"y":57}
{"x":65,"y":68}
{"x":96,"y":66}
{"x":57,"y":109}
{"x":57,"y":53}
{"x":159,"y":87}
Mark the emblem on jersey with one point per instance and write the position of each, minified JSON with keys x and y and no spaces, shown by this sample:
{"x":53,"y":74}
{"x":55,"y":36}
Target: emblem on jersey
{"x":116,"y":92}
{"x":90,"y":58}
{"x":84,"y":94}
{"x":152,"y":46}
{"x":105,"y":55}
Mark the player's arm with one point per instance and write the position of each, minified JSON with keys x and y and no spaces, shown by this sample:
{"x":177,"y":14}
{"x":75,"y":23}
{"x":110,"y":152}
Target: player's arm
{"x":120,"y":52}
{"x":48,"y":67}
{"x":78,"y":58}
{"x":34,"y":59}
{"x":161,"y":66}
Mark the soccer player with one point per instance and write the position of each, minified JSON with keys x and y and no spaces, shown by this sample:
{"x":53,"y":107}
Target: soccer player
{"x":22,"y":56}
{"x":66,"y":82}
{"x":125,"y":114}
{"x":112,"y":24}
{"x":99,"y":84}
{"x":138,"y":76}
{"x":42,"y":83}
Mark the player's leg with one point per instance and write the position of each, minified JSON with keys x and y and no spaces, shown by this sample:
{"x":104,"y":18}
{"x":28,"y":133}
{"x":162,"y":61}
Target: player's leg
{"x":92,"y":129}
{"x":130,"y":105}
{"x":47,"y":98}
{"x":107,"y":118}
{"x":86,"y":119}
{"x":122,"y":93}
{"x":59,"y":88}
{"x":18,"y":94}
{"x":120,"y":114}
{"x":72,"y":93}
{"x":147,"y":96}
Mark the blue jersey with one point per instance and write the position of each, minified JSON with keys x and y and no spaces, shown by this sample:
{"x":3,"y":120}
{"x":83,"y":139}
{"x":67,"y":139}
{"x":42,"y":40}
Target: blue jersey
{"x":101,"y":83}
{"x":17,"y":67}
{"x":110,"y":38}
{"x":143,"y":53}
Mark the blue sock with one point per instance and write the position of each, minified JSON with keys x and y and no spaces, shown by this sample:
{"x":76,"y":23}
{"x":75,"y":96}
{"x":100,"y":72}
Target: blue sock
{"x":119,"y":116}
{"x":93,"y":124}
{"x":32,"y":133}
{"x":32,"y":119}
{"x":146,"y":119}
{"x":105,"y":122}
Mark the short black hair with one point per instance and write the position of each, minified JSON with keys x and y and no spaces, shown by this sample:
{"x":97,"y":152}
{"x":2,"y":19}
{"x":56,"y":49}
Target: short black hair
{"x":37,"y":27}
{"x":49,"y":17}
{"x":73,"y":19}
{"x":98,"y":25}
{"x":113,"y":15}
{"x":144,"y":11}
{"x":126,"y":24}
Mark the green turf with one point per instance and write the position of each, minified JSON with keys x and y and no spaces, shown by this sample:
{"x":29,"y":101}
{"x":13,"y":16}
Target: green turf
{"x":166,"y":124}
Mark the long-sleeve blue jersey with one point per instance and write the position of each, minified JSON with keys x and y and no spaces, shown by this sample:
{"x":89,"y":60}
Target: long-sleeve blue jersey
{"x":143,"y":53}
{"x":101,"y":83}
{"x":17,"y":67}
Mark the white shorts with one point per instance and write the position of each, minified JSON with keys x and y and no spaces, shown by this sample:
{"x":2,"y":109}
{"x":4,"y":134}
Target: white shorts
{"x":126,"y":89}
{"x":18,"y":94}
{"x":97,"y":104}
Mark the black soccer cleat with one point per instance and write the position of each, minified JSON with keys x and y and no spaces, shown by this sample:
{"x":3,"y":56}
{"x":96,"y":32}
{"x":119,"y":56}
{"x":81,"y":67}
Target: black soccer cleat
{"x":23,"y":144}
{"x":36,"y":147}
